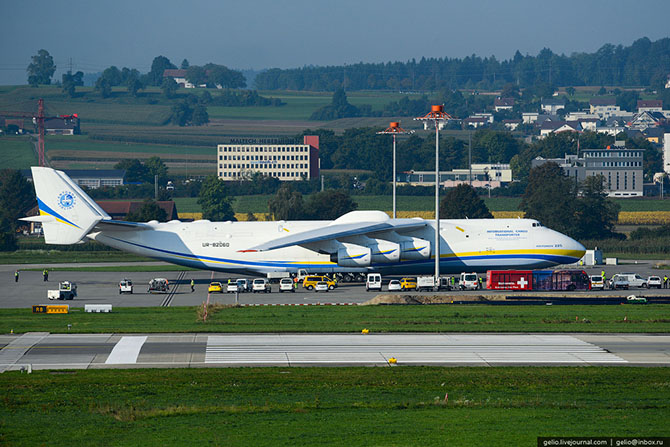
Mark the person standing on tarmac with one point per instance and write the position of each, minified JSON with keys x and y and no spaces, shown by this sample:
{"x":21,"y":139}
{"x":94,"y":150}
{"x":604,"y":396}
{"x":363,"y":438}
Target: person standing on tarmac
{"x":665,"y":281}
{"x":192,"y":285}
{"x":45,"y":275}
{"x":16,"y":276}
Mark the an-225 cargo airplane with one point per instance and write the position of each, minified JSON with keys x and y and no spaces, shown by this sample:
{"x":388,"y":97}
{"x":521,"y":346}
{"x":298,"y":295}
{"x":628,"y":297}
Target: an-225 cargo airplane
{"x":356,"y":242}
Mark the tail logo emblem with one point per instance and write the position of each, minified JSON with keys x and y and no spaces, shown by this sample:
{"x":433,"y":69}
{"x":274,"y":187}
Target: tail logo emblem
{"x":66,"y":200}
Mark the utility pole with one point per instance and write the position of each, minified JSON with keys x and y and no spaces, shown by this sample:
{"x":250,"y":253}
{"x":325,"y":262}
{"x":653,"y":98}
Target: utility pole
{"x":438,"y":116}
{"x":470,"y":157}
{"x":394,"y":129}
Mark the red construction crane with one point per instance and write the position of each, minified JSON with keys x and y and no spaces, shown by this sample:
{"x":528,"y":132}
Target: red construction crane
{"x":38,"y":120}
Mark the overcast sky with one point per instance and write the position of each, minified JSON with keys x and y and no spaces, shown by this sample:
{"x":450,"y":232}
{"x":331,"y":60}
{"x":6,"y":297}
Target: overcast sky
{"x":265,"y":33}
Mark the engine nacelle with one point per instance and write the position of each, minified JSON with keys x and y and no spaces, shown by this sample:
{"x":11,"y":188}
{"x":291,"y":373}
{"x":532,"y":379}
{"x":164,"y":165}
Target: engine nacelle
{"x":352,"y":256}
{"x":385,"y":252}
{"x":415,"y":250}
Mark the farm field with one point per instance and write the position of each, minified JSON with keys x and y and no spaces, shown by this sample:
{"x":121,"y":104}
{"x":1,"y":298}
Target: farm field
{"x":18,"y":152}
{"x":331,"y":406}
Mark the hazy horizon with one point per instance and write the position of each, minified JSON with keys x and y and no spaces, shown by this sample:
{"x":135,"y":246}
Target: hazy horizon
{"x":267,"y":34}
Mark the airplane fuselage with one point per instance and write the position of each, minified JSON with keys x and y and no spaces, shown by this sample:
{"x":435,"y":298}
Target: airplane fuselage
{"x":465,"y":245}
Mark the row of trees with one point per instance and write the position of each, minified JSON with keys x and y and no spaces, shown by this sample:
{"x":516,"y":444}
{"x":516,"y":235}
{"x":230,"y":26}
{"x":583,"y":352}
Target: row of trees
{"x":643,"y":63}
{"x":362,"y":149}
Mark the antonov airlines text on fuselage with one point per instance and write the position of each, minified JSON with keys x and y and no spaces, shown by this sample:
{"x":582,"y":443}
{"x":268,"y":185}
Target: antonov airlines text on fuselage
{"x":356,"y":242}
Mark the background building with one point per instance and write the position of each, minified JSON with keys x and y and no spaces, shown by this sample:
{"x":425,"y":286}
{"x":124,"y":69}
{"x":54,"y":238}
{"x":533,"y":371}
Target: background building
{"x":621,"y":167}
{"x":90,"y":178}
{"x":282,"y":158}
{"x":484,"y":175}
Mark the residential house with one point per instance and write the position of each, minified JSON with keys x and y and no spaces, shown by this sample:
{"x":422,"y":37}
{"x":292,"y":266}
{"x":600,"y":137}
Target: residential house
{"x":588,"y":124}
{"x":503,"y":104}
{"x":649,"y":105}
{"x":643,"y":120}
{"x":606,"y":107}
{"x":553,"y":105}
{"x":475,"y":122}
{"x":559,"y":126}
{"x":511,"y":125}
{"x":179,"y":77}
{"x":67,"y":125}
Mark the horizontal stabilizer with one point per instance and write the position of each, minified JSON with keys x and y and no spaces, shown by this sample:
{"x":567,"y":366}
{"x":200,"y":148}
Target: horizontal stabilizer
{"x":120,"y":225}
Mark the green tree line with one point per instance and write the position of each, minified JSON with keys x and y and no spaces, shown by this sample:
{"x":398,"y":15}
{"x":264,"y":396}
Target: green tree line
{"x":641,"y":63}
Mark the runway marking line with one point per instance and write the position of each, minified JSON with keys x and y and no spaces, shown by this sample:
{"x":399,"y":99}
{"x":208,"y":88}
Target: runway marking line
{"x":126,"y":350}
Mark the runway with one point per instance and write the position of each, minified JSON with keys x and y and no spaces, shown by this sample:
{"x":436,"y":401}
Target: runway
{"x":76,"y":351}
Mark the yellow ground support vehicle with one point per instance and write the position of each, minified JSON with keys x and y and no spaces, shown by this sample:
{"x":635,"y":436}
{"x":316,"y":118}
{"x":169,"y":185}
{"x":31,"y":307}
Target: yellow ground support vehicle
{"x":408,"y":284}
{"x":310,"y":282}
{"x":215,"y":287}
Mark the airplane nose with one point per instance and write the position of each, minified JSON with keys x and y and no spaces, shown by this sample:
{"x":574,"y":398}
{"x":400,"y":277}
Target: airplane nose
{"x":575,"y":249}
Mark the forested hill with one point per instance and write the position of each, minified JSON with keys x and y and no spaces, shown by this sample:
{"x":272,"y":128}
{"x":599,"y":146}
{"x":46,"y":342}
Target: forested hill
{"x":643,"y":63}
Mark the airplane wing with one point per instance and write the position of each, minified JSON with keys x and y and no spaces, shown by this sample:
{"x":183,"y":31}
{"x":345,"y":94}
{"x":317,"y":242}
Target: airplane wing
{"x":331,"y":232}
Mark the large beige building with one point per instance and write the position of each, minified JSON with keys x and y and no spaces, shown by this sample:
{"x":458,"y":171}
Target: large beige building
{"x":280,"y":158}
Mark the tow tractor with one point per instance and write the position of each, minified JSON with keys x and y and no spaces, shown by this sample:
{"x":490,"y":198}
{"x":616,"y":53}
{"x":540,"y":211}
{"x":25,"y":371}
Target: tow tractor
{"x":125,"y":286}
{"x":159,"y":285}
{"x":66,"y":291}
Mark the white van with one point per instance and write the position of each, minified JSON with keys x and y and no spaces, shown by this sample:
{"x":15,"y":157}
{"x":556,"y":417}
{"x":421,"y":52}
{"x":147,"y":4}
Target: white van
{"x":468,"y":281}
{"x":374,"y":282}
{"x":634,"y":280}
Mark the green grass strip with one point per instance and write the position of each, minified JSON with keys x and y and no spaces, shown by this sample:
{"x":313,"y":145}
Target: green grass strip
{"x":330,"y":406}
{"x":430,"y":318}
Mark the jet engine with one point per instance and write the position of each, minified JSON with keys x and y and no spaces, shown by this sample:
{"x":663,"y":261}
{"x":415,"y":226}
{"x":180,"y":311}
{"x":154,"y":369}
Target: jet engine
{"x":352,"y":256}
{"x":415,"y":249}
{"x":385,"y":252}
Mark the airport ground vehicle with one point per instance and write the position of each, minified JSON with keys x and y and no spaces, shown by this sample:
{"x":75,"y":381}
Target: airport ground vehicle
{"x":286,"y":285}
{"x":159,"y":285}
{"x":619,"y":282}
{"x":260,"y":285}
{"x":277,"y":276}
{"x":66,"y":291}
{"x":309,"y":282}
{"x":125,"y":286}
{"x":537,"y":280}
{"x":654,"y":281}
{"x":408,"y":284}
{"x":322,"y":286}
{"x":597,"y":282}
{"x":215,"y":287}
{"x":468,"y":281}
{"x":233,"y":287}
{"x":394,"y":285}
{"x":428,"y":283}
{"x":373,"y":282}
{"x":634,"y":280}
{"x":244,"y":285}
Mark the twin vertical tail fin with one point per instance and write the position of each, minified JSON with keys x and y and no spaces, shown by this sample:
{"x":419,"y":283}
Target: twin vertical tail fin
{"x":67,"y":214}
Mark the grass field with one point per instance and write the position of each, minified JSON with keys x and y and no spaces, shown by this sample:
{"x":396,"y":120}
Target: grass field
{"x":330,"y":406}
{"x":259,"y":203}
{"x":352,"y":319}
{"x":61,"y":256}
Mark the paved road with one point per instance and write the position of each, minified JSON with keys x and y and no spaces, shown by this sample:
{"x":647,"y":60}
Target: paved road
{"x":75,"y":351}
{"x":102,"y":288}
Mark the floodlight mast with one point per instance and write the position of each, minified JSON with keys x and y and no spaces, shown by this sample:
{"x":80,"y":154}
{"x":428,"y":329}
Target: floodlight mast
{"x":439,"y":117}
{"x":394,"y":129}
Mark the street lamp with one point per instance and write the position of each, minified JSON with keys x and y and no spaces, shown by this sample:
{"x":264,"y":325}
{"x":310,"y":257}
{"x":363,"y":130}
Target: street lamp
{"x":394,"y":129}
{"x":439,"y":117}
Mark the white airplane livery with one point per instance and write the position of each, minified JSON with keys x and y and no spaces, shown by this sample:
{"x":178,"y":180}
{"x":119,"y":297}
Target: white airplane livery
{"x":358,"y":241}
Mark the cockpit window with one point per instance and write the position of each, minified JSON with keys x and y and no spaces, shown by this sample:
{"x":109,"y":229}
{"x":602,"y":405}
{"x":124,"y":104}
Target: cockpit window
{"x":537,"y":224}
